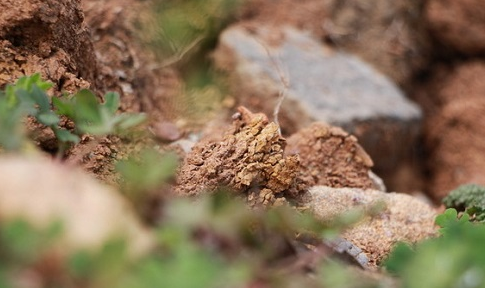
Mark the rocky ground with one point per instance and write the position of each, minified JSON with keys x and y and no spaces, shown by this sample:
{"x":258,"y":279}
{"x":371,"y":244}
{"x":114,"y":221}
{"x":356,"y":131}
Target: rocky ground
{"x":383,"y":89}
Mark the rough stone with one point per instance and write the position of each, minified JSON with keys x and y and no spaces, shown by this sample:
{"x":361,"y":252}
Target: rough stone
{"x":458,"y":24}
{"x":388,"y":34}
{"x":401,"y":218}
{"x":41,"y":191}
{"x":320,"y":84}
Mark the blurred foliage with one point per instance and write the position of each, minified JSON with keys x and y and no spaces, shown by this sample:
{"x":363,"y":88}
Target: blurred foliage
{"x":181,"y":34}
{"x":455,"y":259}
{"x":214,"y":241}
{"x":180,"y":30}
{"x":147,"y":170}
{"x":469,"y":198}
{"x":144,"y":178}
{"x":93,"y":117}
{"x":28,"y":97}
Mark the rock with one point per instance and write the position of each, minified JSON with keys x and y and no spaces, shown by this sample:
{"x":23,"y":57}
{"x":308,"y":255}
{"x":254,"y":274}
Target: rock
{"x":388,"y":34}
{"x":41,"y":191}
{"x":455,"y":128}
{"x":166,"y":131}
{"x":458,"y":24}
{"x":403,"y":218}
{"x":330,"y":156}
{"x":323,"y":85}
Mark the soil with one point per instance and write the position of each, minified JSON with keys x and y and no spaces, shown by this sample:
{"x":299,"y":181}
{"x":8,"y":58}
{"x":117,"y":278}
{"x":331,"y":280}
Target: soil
{"x":458,"y":24}
{"x":453,"y":101}
{"x":329,"y":156}
{"x":249,"y":160}
{"x":49,"y":37}
{"x":95,"y":44}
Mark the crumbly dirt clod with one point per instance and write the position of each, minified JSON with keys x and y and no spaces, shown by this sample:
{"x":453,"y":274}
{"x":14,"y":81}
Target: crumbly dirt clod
{"x":46,"y":36}
{"x":329,"y":156}
{"x":249,"y":160}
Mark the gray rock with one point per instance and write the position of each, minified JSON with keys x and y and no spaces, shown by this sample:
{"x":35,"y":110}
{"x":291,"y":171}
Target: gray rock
{"x":321,"y":85}
{"x":401,"y":217}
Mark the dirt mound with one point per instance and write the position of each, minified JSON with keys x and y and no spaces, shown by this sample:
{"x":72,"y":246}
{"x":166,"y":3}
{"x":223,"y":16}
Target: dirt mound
{"x":249,"y":160}
{"x":48,"y":37}
{"x":454,"y":129}
{"x":253,"y":160}
{"x":458,"y":24}
{"x":329,"y":156}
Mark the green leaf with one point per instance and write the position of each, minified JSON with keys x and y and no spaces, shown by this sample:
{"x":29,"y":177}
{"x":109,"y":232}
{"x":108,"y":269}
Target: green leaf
{"x":66,"y":136}
{"x":40,"y":98}
{"x":24,"y":101}
{"x":102,"y":128}
{"x":48,"y":118}
{"x":112,"y":102}
{"x":81,"y":264}
{"x":148,"y":170}
{"x":449,"y":216}
{"x":127,"y":121}
{"x":87,"y":107}
{"x":400,"y":257}
{"x":64,"y":107}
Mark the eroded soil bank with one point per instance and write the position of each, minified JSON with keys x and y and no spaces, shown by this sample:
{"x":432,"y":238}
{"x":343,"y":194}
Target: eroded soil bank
{"x":77,"y":44}
{"x":418,"y":47}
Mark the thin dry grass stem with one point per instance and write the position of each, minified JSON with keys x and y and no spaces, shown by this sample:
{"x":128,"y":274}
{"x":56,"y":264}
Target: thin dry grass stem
{"x":179,"y":55}
{"x":284,"y":81}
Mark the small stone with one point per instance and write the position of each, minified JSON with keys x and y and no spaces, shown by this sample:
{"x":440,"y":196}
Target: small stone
{"x":402,"y":218}
{"x":166,"y":131}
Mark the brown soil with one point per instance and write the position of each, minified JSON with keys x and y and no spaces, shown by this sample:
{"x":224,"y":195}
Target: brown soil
{"x":330,"y":156}
{"x":249,"y":159}
{"x":91,"y":43}
{"x":48,"y":37}
{"x":86,"y":45}
{"x":94,"y":43}
{"x":454,"y":130}
{"x":458,"y":24}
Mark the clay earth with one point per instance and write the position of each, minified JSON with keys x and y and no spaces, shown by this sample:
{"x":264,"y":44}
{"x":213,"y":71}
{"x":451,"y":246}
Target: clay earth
{"x":433,"y":52}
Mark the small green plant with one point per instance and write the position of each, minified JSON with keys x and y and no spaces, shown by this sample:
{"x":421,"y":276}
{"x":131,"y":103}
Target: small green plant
{"x":93,"y":117}
{"x":469,"y":198}
{"x":28,"y":97}
{"x":455,"y":259}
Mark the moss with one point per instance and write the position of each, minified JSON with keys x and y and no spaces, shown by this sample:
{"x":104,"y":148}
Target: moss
{"x":469,"y":198}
